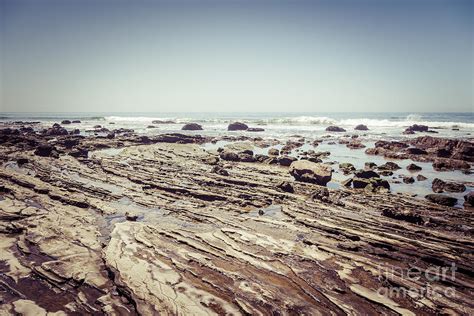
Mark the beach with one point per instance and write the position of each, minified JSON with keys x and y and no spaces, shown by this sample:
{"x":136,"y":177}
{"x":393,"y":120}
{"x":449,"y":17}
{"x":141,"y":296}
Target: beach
{"x":339,"y":214}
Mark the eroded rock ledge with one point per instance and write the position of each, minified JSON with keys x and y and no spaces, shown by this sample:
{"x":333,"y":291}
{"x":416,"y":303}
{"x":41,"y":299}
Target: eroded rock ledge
{"x":202,"y":242}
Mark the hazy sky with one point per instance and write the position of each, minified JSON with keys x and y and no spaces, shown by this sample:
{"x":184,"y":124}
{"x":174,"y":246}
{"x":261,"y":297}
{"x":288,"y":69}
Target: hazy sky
{"x":380,"y":55}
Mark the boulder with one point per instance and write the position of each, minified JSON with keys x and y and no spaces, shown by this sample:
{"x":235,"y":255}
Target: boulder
{"x":355,"y":145}
{"x":56,"y":130}
{"x":361,"y":127}
{"x":346,"y":167}
{"x":76,"y":122}
{"x":413,"y":167}
{"x":450,"y":164}
{"x":79,"y":153}
{"x":191,"y":127}
{"x":273,"y":152}
{"x":66,"y":122}
{"x":370,"y":183}
{"x":370,"y":165}
{"x":333,"y":128}
{"x":469,"y":199}
{"x":441,"y":199}
{"x":286,"y":160}
{"x":408,"y":180}
{"x":417,"y":128}
{"x":389,"y":165}
{"x":439,"y":186}
{"x":237,"y":126}
{"x":45,"y":151}
{"x":421,"y":177}
{"x":366,"y":174}
{"x":285,"y":186}
{"x":307,"y":171}
{"x":229,"y":156}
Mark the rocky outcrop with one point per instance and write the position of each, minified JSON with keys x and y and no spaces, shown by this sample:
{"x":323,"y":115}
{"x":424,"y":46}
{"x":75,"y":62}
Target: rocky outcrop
{"x":335,"y":129}
{"x":361,"y":127}
{"x":307,"y":171}
{"x":416,"y":128}
{"x":237,"y":126}
{"x":413,"y":167}
{"x":191,"y":127}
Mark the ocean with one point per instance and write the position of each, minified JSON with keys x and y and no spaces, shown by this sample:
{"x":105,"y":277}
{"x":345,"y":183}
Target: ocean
{"x":275,"y":124}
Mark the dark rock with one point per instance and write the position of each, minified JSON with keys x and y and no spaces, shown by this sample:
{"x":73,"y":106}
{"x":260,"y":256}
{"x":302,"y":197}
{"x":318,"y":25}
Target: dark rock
{"x":439,"y":186}
{"x":408,"y":180}
{"x":246,"y":157}
{"x":151,"y":126}
{"x":389,"y":165}
{"x":450,"y":164}
{"x":370,"y":165}
{"x":71,"y":142}
{"x":211,"y":160}
{"x":366,"y":174}
{"x":390,"y":145}
{"x":76,"y":121}
{"x":56,"y":130}
{"x":285,"y":186}
{"x":192,"y":127}
{"x":413,"y":167}
{"x":320,"y":193}
{"x":219,"y":170}
{"x":273,"y":152}
{"x":129,"y":217}
{"x":65,"y":122}
{"x":22,"y":161}
{"x":469,"y":199}
{"x":346,"y":167}
{"x":417,"y":128}
{"x":79,"y":153}
{"x":229,"y":156}
{"x":421,"y":177}
{"x":334,"y":129}
{"x":75,"y":131}
{"x":361,"y":127}
{"x":355,"y":145}
{"x":255,"y":129}
{"x":441,"y":199}
{"x":45,"y":151}
{"x":286,"y":160}
{"x":347,"y":182}
{"x":372,"y":183}
{"x":307,"y":171}
{"x":415,"y":151}
{"x":237,"y":126}
{"x":407,"y":216}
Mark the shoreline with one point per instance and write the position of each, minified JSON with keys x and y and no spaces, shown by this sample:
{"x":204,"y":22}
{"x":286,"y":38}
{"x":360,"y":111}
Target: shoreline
{"x":181,"y":223}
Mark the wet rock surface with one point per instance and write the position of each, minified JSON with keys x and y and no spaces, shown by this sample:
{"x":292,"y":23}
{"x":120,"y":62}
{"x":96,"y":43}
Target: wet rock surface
{"x":162,"y":226}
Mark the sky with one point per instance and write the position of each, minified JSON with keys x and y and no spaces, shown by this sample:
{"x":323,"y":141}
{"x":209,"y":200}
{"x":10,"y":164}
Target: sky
{"x":236,"y":56}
